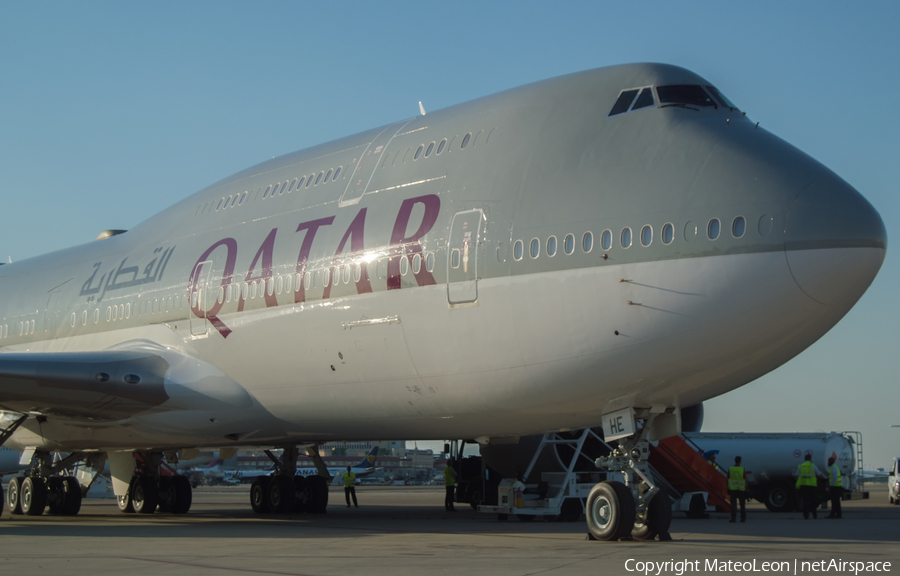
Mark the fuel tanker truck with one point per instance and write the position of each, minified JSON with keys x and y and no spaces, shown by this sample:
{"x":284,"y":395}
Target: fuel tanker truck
{"x":772,"y":459}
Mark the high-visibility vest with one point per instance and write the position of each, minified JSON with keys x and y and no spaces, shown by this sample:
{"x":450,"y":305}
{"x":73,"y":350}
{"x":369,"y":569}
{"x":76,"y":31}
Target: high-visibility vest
{"x":736,"y":479}
{"x":836,"y":476}
{"x":349,"y":479}
{"x":807,"y":476}
{"x":449,"y":478}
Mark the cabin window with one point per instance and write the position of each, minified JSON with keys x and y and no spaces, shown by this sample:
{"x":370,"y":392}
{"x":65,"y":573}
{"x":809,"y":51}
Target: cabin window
{"x":404,"y":265}
{"x":357,"y":272}
{"x":625,"y":238}
{"x":243,"y":197}
{"x":687,"y":94}
{"x":309,"y":180}
{"x":266,"y":193}
{"x":535,"y":248}
{"x":346,"y":274}
{"x":84,"y":318}
{"x":122,"y":311}
{"x":293,"y":183}
{"x":454,"y":258}
{"x":465,"y":140}
{"x":668,"y":233}
{"x":429,"y":262}
{"x":328,"y":175}
{"x":417,"y":264}
{"x":278,"y":287}
{"x":319,"y":178}
{"x":288,"y":278}
{"x":326,"y":276}
{"x":569,"y":243}
{"x":738,"y":227}
{"x":623,"y":103}
{"x":518,"y":250}
{"x":712,"y":229}
{"x":419,"y":152}
{"x":336,"y":173}
{"x":551,"y":246}
{"x":108,"y":314}
{"x":441,"y":146}
{"x":96,"y":315}
{"x":429,"y":150}
{"x":646,"y":236}
{"x":219,"y":205}
{"x":606,"y":240}
{"x":644,"y":100}
{"x":587,"y":242}
{"x":306,"y":280}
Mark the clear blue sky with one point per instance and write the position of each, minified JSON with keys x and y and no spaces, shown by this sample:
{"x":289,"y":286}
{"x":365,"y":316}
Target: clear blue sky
{"x":111,"y":111}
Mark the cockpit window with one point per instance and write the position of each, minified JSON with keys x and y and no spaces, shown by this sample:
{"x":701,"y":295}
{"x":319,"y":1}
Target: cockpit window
{"x":644,"y":100}
{"x":687,"y":95}
{"x":623,"y":103}
{"x":720,"y":97}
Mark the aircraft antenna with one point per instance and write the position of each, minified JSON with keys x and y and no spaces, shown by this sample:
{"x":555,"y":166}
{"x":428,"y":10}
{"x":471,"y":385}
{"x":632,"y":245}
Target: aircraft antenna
{"x":421,"y":108}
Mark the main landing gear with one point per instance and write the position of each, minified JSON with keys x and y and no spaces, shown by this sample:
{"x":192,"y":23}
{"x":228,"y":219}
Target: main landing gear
{"x":43,"y":488}
{"x":635,"y":508}
{"x":141,"y":488}
{"x":284,"y":492}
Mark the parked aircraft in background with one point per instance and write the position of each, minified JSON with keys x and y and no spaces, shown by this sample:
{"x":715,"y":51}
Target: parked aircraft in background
{"x":607,"y":246}
{"x":9,"y":461}
{"x":362,"y":468}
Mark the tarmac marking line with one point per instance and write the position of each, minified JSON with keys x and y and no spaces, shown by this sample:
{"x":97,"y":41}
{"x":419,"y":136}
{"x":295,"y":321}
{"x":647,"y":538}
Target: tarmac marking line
{"x":230,"y":568}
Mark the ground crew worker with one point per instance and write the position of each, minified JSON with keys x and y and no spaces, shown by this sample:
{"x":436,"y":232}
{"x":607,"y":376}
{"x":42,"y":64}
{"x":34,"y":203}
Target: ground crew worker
{"x":807,"y":473}
{"x":449,"y":485}
{"x":712,"y":460}
{"x":737,"y":488}
{"x":350,"y":487}
{"x":835,"y":488}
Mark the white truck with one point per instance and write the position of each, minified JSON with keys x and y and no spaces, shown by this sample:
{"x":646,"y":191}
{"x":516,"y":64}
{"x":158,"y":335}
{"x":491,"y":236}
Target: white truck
{"x":772,"y":459}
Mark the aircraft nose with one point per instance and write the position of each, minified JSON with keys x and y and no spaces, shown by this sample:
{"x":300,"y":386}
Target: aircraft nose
{"x":834,"y":241}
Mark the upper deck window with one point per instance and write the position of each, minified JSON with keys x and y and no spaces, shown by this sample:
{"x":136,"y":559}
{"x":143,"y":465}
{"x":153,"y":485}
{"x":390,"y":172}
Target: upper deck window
{"x":720,"y":97}
{"x":623,"y":103}
{"x":687,"y":95}
{"x":644,"y":100}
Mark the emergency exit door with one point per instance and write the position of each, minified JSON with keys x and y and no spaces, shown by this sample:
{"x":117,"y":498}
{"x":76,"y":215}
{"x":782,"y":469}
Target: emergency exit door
{"x":463,"y":248}
{"x":199,"y":297}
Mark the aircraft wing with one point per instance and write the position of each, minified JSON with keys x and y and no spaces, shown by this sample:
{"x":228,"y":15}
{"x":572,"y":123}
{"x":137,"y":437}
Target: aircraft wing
{"x":103,"y":385}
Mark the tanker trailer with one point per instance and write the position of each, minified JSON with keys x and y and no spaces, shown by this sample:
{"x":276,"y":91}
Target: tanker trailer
{"x":772,"y":459}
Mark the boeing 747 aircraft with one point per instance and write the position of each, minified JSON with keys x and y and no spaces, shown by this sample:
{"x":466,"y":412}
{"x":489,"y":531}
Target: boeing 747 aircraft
{"x":606,"y":246}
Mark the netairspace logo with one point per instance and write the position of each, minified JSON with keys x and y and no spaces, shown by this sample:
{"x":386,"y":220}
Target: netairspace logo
{"x":679,"y":567}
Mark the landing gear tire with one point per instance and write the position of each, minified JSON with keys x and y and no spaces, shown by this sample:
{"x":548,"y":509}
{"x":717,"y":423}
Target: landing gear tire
{"x":73,"y":496}
{"x":166,"y":495}
{"x":124,"y":503}
{"x":318,"y":490}
{"x":779,"y":497}
{"x":34,"y":496}
{"x":184,"y":495}
{"x":63,"y":495}
{"x":282,"y":495}
{"x":610,"y":511}
{"x":570,"y":510}
{"x":144,"y":494}
{"x":659,"y":518}
{"x":14,"y":495}
{"x":304,"y":497}
{"x":259,"y":494}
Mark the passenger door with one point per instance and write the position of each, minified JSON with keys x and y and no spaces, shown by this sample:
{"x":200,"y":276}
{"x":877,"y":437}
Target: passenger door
{"x":365,"y":166}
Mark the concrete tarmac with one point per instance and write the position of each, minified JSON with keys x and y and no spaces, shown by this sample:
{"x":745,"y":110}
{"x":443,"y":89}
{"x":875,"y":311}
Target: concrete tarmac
{"x":404,"y":531}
